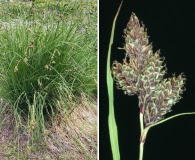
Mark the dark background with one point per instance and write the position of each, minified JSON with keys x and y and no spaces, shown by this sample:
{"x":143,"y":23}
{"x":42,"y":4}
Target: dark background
{"x":171,"y":27}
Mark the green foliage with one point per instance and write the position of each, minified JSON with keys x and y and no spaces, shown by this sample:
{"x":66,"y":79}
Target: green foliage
{"x":47,"y":60}
{"x":113,"y":132}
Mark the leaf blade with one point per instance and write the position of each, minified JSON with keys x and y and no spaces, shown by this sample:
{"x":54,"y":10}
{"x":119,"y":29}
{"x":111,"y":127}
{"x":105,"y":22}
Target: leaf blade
{"x":111,"y":117}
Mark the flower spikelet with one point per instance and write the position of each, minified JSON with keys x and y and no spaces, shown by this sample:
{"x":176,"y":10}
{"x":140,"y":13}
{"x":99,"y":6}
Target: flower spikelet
{"x":137,"y":45}
{"x":167,"y":93}
{"x":142,"y":73}
{"x":126,"y":77}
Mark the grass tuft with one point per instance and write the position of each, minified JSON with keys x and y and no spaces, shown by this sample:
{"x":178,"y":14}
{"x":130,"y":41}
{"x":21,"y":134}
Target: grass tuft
{"x":48,"y":63}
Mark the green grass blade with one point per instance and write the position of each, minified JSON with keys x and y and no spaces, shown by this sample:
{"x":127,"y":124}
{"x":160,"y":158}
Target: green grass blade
{"x":169,"y":118}
{"x":111,"y":118}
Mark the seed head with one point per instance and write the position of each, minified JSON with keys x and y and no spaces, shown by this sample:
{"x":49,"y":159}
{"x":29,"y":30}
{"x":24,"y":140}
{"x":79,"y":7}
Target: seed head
{"x":142,"y":73}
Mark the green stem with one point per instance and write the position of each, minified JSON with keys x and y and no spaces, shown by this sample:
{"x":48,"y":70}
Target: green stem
{"x":142,"y":141}
{"x":141,"y":147}
{"x":141,"y":122}
{"x":145,"y":130}
{"x":164,"y":120}
{"x":141,"y":151}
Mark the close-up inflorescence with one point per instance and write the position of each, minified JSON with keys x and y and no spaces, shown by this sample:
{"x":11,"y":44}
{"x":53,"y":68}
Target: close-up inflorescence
{"x":142,"y":73}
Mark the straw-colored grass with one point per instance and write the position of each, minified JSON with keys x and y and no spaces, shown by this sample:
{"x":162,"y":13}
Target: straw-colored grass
{"x":75,"y":137}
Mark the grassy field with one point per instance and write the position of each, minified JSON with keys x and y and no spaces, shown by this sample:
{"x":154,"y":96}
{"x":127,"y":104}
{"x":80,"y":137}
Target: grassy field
{"x":48,"y":77}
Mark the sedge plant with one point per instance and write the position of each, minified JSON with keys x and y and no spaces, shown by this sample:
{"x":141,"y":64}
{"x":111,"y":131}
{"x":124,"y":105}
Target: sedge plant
{"x":45,"y":66}
{"x":142,"y":74}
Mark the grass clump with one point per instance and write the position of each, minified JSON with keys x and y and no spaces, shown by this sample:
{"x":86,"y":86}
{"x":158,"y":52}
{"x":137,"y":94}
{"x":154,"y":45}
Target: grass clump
{"x":47,"y":64}
{"x":41,"y":61}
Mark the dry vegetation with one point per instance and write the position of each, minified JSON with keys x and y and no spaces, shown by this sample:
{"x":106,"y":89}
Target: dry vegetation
{"x":75,"y":137}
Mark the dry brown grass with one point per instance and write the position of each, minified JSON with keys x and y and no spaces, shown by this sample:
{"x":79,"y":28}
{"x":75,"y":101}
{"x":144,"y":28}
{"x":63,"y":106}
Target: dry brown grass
{"x":75,"y":137}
